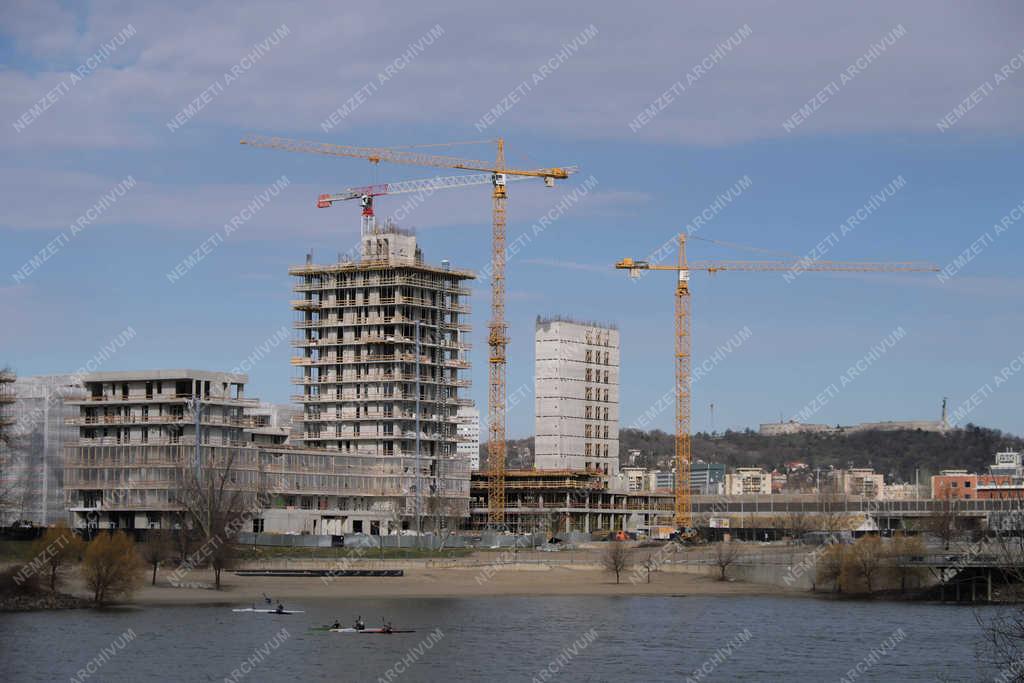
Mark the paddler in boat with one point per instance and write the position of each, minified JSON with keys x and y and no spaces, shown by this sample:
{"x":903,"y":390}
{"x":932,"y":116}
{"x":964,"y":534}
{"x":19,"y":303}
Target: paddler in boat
{"x":280,"y":608}
{"x":360,"y":624}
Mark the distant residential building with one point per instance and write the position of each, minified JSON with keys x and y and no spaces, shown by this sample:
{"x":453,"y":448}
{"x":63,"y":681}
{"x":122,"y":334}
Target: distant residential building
{"x":634,"y":455}
{"x":901,"y":492}
{"x":859,"y":481}
{"x":662,"y":480}
{"x":468,"y":447}
{"x":1000,"y":487}
{"x":707,"y":479}
{"x":635,"y":478}
{"x":747,"y":480}
{"x":577,"y":396}
{"x":954,"y":484}
{"x":779,"y":480}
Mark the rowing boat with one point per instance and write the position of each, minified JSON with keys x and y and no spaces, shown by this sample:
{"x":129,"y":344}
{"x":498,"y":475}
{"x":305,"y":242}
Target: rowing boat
{"x":369,"y":631}
{"x":269,"y":611}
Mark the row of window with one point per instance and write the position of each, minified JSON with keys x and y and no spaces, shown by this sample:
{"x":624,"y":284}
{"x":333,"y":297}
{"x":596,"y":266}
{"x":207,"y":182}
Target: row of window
{"x":595,"y":376}
{"x":594,"y":356}
{"x":595,"y":431}
{"x":596,"y":450}
{"x":594,"y":394}
{"x":594,"y":413}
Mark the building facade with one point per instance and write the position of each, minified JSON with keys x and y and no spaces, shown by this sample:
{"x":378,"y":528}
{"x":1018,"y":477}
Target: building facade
{"x":746,"y":480}
{"x":381,"y":350}
{"x":706,"y":479}
{"x":577,"y":396}
{"x":859,"y":481}
{"x":35,"y":472}
{"x":137,"y":438}
{"x":468,"y":447}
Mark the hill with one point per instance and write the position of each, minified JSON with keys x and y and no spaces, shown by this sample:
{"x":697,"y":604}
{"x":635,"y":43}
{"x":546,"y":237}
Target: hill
{"x":897,"y":454}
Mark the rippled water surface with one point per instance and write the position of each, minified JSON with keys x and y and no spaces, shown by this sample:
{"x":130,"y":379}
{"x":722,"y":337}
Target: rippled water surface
{"x":499,"y":639}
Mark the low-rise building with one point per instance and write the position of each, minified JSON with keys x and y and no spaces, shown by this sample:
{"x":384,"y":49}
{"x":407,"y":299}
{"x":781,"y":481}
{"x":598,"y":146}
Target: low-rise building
{"x":954,"y":484}
{"x":707,"y":479}
{"x":745,"y":480}
{"x":859,"y":481}
{"x":634,"y":478}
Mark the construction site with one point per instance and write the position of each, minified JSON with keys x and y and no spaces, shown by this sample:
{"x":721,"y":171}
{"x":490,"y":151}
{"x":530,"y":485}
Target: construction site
{"x":379,"y":445}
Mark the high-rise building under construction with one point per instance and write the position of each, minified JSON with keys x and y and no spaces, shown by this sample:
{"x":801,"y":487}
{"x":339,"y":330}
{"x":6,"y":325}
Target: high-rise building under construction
{"x":381,"y":346}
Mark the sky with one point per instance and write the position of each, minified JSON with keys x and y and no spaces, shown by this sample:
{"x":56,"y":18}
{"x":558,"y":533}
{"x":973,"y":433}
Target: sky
{"x":762,"y":124}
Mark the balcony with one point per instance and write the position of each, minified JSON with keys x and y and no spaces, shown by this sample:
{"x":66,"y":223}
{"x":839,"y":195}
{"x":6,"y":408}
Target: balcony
{"x":213,"y":420}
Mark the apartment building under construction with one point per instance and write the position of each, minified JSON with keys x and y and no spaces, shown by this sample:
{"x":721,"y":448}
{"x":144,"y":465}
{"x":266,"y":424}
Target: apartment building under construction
{"x":382,"y":343}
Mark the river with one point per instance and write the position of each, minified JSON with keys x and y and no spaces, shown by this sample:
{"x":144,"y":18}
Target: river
{"x":504,"y":639}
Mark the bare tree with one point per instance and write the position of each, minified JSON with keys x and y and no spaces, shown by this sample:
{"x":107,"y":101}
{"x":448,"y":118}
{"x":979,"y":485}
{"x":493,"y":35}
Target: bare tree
{"x":616,"y":558}
{"x":216,"y":508}
{"x":726,"y":554}
{"x":159,"y":546}
{"x":111,"y":567}
{"x":863,"y":563}
{"x":796,"y":524}
{"x":1004,"y":630}
{"x":57,"y":548}
{"x":829,"y":567}
{"x":945,"y":522}
{"x":902,"y":553}
{"x":832,"y":516}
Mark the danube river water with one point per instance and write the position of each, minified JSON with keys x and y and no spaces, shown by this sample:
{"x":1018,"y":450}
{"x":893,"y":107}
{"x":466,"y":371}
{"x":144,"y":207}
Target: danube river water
{"x":504,"y":639}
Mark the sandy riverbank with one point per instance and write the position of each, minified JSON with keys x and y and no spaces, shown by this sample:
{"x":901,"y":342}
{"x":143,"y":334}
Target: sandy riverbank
{"x":446,"y":582}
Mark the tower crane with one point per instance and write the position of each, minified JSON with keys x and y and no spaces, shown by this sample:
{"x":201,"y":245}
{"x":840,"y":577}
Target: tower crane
{"x":497,"y":337}
{"x":366,"y":193}
{"x":683,"y":516}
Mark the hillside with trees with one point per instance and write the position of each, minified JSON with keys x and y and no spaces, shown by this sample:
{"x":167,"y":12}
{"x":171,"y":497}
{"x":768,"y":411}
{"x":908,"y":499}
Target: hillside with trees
{"x":897,"y":454}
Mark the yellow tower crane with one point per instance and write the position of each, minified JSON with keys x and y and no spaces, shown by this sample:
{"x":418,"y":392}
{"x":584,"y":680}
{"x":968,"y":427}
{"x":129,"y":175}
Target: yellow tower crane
{"x":683,"y":511}
{"x":498,"y":338}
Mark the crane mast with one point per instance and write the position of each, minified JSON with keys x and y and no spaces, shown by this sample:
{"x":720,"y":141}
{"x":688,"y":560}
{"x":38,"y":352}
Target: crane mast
{"x":497,"y":342}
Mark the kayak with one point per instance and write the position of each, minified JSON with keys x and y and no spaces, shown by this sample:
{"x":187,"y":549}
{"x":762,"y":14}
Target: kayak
{"x":269,"y":611}
{"x":369,"y":631}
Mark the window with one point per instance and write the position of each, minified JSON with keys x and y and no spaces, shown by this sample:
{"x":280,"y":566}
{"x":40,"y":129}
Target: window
{"x":588,"y":394}
{"x":257,"y":525}
{"x":589,"y":374}
{"x":606,"y":394}
{"x":606,"y":413}
{"x":586,"y":412}
{"x":588,"y":356}
{"x":586,"y":450}
{"x":967,"y":484}
{"x":586,"y":431}
{"x":606,"y":432}
{"x":606,"y":358}
{"x":606,"y":377}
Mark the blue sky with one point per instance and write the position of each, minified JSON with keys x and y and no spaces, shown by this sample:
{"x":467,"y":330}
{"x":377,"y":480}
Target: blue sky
{"x":880,"y":123}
